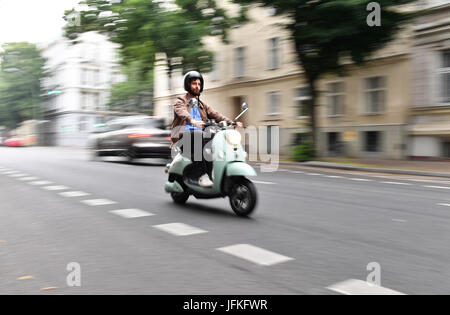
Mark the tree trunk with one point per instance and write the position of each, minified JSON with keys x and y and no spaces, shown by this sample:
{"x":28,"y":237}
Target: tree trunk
{"x":313,"y":114}
{"x":312,"y":76}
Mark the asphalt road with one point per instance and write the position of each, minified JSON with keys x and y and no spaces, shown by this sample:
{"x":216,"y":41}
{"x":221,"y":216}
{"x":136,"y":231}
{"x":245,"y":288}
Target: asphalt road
{"x":314,"y":231}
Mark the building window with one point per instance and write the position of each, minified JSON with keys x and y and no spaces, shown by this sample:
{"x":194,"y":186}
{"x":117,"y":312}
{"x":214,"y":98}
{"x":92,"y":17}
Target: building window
{"x":90,"y":77}
{"x":302,"y":102}
{"x":215,"y":68}
{"x":90,"y":101}
{"x":375,"y":94}
{"x":444,"y":77}
{"x":270,"y":11}
{"x":270,"y":141}
{"x":84,"y":76}
{"x":334,"y":144}
{"x":372,"y":141}
{"x":84,"y":100}
{"x":116,"y":77}
{"x":273,"y":103}
{"x":274,"y":54}
{"x":82,"y":124}
{"x":89,"y":51}
{"x":336,"y":98}
{"x":240,"y":62}
{"x":446,"y":149}
{"x":96,"y":77}
{"x":97,"y":101}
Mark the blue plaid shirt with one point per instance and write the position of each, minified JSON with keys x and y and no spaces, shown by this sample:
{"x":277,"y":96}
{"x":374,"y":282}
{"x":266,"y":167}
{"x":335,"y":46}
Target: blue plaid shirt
{"x":195,"y":114}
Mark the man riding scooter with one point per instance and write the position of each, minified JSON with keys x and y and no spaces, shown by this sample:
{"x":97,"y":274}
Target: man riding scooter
{"x":190,"y":115}
{"x":227,"y":166}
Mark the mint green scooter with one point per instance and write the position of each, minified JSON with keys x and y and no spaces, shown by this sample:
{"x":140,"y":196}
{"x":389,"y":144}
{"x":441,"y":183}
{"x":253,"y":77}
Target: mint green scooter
{"x":229,"y":172}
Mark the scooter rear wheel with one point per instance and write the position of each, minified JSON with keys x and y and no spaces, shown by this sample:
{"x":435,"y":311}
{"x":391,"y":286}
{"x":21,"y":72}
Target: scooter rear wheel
{"x":243,"y":197}
{"x":179,"y":198}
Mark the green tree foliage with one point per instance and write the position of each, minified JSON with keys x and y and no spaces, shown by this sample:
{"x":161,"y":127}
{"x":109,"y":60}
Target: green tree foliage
{"x":303,"y":152}
{"x":134,"y":93}
{"x":144,"y":28}
{"x":21,"y":72}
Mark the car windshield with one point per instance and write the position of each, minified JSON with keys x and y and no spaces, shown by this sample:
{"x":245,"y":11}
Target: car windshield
{"x":145,"y":122}
{"x":150,"y":123}
{"x":157,"y":123}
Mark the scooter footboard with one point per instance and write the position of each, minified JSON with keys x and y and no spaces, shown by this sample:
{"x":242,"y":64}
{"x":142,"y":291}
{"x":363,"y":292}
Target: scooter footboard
{"x":174,"y":187}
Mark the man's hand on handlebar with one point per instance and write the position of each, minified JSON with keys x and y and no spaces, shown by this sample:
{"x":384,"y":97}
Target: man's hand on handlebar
{"x":197,"y":124}
{"x":239,"y":124}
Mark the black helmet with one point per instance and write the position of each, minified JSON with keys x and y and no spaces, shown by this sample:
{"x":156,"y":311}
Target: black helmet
{"x":193,"y":75}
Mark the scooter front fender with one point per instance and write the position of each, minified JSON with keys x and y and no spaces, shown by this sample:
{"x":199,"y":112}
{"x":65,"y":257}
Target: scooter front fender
{"x":240,"y":169}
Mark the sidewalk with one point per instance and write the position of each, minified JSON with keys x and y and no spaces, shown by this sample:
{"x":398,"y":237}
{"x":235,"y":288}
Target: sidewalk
{"x":423,"y":168}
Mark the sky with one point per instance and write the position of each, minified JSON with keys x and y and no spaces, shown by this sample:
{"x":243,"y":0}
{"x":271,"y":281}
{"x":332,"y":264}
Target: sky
{"x":36,"y":21}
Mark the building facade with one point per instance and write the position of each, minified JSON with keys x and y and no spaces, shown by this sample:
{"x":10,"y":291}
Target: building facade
{"x":364,"y":114}
{"x":78,"y":88}
{"x":429,"y":130}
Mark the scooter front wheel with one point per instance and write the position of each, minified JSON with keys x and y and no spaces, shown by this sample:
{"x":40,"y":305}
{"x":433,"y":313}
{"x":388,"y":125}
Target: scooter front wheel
{"x":179,"y":198}
{"x":243,"y":197}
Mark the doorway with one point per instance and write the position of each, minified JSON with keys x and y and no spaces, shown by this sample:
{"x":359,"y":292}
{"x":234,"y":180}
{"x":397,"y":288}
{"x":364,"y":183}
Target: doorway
{"x":446,"y":148}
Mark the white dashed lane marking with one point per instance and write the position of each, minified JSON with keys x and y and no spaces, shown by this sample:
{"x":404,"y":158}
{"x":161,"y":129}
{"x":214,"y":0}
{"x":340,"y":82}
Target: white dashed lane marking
{"x":55,"y":188}
{"x":444,"y":204}
{"x":179,"y":229}
{"x":28,"y":178}
{"x":263,"y":183}
{"x":72,"y":194}
{"x":358,"y":287}
{"x":132,"y":213}
{"x":98,"y":202}
{"x":334,"y":176}
{"x":397,"y":183}
{"x":10,"y":172}
{"x":255,"y":254}
{"x":18,"y":175}
{"x":437,"y":187}
{"x":41,"y":183}
{"x":361,"y":179}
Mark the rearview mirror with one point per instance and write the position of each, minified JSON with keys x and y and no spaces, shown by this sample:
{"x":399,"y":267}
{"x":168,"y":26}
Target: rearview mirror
{"x":244,"y":109}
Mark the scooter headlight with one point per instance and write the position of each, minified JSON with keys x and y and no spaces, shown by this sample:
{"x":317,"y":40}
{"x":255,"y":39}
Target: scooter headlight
{"x":234,"y":137}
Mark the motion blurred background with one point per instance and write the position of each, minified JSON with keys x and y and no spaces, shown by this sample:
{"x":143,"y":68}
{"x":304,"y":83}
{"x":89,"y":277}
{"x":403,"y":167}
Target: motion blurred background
{"x":352,"y":86}
{"x":383,"y":92}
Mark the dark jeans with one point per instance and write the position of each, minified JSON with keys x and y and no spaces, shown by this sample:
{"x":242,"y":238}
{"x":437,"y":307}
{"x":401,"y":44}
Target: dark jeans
{"x":192,"y":144}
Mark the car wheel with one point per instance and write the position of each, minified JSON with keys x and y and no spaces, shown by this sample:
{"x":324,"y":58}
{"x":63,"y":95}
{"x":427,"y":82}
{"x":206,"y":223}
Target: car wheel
{"x":131,"y":155}
{"x":94,"y":154}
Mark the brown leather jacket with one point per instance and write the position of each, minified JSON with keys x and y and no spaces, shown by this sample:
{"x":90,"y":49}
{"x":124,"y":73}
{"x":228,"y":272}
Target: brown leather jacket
{"x":182,"y":116}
